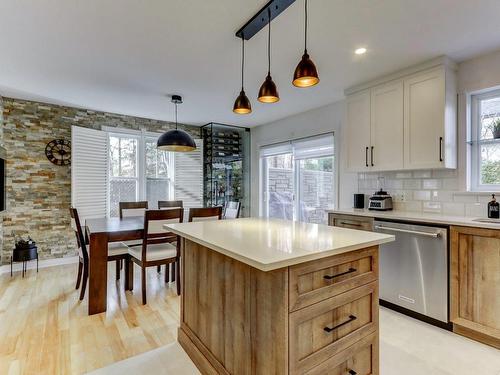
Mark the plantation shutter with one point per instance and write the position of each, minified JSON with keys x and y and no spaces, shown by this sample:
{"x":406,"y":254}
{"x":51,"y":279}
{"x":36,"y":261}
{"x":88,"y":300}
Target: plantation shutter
{"x":188,"y":180}
{"x":89,"y":172}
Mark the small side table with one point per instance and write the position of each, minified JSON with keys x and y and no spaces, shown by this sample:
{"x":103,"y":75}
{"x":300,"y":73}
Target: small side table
{"x":24,"y":255}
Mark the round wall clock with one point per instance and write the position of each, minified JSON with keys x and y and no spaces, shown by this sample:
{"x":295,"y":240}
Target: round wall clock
{"x":58,"y":151}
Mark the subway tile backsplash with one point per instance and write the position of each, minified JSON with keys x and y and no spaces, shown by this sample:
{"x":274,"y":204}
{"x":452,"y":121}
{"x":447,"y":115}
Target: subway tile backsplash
{"x":435,"y":191}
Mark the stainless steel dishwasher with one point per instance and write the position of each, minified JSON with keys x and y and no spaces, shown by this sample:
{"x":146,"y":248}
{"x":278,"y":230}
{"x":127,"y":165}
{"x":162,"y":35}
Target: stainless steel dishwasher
{"x":414,"y":268}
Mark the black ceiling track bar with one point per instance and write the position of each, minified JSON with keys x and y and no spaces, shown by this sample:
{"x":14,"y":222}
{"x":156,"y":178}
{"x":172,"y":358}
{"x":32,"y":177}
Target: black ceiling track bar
{"x":261,"y":18}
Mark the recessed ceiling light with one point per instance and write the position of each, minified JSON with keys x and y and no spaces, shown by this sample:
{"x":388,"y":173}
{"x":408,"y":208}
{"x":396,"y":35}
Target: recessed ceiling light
{"x":360,"y":51}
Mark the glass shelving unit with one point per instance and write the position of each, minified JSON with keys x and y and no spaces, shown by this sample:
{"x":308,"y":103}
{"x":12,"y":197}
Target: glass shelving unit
{"x":226,"y":165}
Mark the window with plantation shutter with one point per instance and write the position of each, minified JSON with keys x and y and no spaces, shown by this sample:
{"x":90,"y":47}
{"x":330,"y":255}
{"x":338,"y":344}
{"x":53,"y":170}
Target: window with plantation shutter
{"x":117,"y":165}
{"x":89,"y":172}
{"x":188,"y":181}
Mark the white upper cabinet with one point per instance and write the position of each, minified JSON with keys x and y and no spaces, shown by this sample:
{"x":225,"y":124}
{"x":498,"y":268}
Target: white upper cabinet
{"x":429,"y":132}
{"x":407,"y":121}
{"x":358,"y":131}
{"x":386,"y":152}
{"x":375,"y":128}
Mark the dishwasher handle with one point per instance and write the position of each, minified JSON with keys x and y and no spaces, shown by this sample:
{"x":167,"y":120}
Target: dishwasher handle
{"x":420,"y":233}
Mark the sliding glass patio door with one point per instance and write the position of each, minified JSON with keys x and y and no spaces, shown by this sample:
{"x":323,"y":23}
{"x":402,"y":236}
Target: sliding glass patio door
{"x":278,"y":182}
{"x":298,"y":179}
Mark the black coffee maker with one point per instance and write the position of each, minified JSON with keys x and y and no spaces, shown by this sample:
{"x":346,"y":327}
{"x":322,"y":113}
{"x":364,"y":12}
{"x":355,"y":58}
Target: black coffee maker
{"x":359,"y":201}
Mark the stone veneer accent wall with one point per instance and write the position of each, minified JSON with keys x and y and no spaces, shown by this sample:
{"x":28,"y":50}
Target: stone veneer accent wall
{"x":1,"y":144}
{"x":39,"y":192}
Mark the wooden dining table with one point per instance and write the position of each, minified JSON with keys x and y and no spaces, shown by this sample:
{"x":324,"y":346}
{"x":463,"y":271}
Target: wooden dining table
{"x":100,"y":232}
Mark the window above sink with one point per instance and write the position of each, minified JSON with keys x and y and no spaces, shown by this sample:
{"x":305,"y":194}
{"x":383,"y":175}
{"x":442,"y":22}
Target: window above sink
{"x":484,"y":152}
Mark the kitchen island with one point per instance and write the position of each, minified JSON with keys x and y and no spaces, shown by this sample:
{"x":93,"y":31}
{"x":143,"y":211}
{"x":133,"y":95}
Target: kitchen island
{"x":267,"y":296}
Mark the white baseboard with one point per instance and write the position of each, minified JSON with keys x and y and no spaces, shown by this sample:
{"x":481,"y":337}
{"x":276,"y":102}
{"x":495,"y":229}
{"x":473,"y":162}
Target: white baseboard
{"x":42,"y":264}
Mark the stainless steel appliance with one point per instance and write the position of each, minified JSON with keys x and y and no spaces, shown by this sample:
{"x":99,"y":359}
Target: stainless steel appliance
{"x":380,"y":201}
{"x":414,"y":268}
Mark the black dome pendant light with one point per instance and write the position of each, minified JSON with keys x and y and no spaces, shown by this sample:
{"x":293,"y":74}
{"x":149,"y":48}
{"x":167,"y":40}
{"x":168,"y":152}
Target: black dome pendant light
{"x":306,"y":74}
{"x":176,"y":140}
{"x":268,"y":93}
{"x":242,"y":104}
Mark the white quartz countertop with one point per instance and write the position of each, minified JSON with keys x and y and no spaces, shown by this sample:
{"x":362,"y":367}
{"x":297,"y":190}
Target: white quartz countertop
{"x":269,"y":244}
{"x":423,"y":217}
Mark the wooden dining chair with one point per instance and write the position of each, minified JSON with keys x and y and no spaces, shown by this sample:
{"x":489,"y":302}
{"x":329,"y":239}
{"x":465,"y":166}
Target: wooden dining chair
{"x":132,"y":209}
{"x":168,"y":205}
{"x":232,"y":210}
{"x":208,"y":213}
{"x":157,"y":247}
{"x":128,"y":209}
{"x":165,"y":205}
{"x":117,"y":251}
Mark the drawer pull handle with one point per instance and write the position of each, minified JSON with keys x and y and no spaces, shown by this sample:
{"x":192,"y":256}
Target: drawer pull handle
{"x":351,"y":318}
{"x":351,"y":224}
{"x":352,"y":372}
{"x":329,"y":277}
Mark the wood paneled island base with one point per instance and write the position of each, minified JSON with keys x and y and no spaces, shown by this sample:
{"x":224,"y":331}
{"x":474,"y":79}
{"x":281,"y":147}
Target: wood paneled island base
{"x":317,"y":317}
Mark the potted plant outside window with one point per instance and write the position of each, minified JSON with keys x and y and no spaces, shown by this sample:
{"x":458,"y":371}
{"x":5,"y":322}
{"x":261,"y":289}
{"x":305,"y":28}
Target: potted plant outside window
{"x":496,"y":129}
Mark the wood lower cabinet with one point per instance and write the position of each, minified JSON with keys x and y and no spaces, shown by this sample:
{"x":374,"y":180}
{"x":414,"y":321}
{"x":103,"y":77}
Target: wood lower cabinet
{"x":361,"y":358}
{"x":475,"y":283}
{"x":318,"y":280}
{"x":236,"y":319}
{"x":320,"y":331}
{"x":350,"y":221}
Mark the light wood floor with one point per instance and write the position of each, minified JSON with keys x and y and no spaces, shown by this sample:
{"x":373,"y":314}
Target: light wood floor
{"x":44,"y":329}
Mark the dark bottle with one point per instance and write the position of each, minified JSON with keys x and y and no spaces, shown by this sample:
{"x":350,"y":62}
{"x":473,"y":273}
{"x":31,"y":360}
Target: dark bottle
{"x":494,"y":208}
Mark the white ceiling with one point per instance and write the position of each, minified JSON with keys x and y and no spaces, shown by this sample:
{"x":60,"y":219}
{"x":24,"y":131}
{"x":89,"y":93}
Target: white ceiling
{"x":126,"y":56}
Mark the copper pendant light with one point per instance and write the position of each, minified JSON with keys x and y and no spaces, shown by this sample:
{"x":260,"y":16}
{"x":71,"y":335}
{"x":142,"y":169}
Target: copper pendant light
{"x":176,"y":140}
{"x":242,"y":104}
{"x":306,"y":74}
{"x":268,"y":93}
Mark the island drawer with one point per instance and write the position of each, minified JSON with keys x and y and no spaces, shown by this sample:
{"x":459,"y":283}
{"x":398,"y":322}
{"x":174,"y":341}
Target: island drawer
{"x":360,"y":359}
{"x":324,"y":278}
{"x":325,"y":329}
{"x":350,"y":221}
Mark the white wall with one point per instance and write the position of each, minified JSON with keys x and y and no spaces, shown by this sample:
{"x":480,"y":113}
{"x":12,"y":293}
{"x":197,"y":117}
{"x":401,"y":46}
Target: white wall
{"x":479,"y":73}
{"x":321,"y":120}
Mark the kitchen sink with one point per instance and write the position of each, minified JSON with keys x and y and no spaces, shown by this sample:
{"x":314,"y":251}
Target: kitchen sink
{"x":484,"y":220}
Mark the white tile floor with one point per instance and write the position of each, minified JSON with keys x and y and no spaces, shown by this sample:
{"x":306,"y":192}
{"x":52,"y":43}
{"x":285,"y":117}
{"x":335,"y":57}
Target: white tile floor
{"x":411,"y":347}
{"x":407,"y":346}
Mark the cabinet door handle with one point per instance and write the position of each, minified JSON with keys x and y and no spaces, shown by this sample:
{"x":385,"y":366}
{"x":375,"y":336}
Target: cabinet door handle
{"x":371,"y":156}
{"x":329,"y":277}
{"x":351,"y":318}
{"x":366,"y":156}
{"x":440,"y":148}
{"x":350,"y":224}
{"x":352,"y":372}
